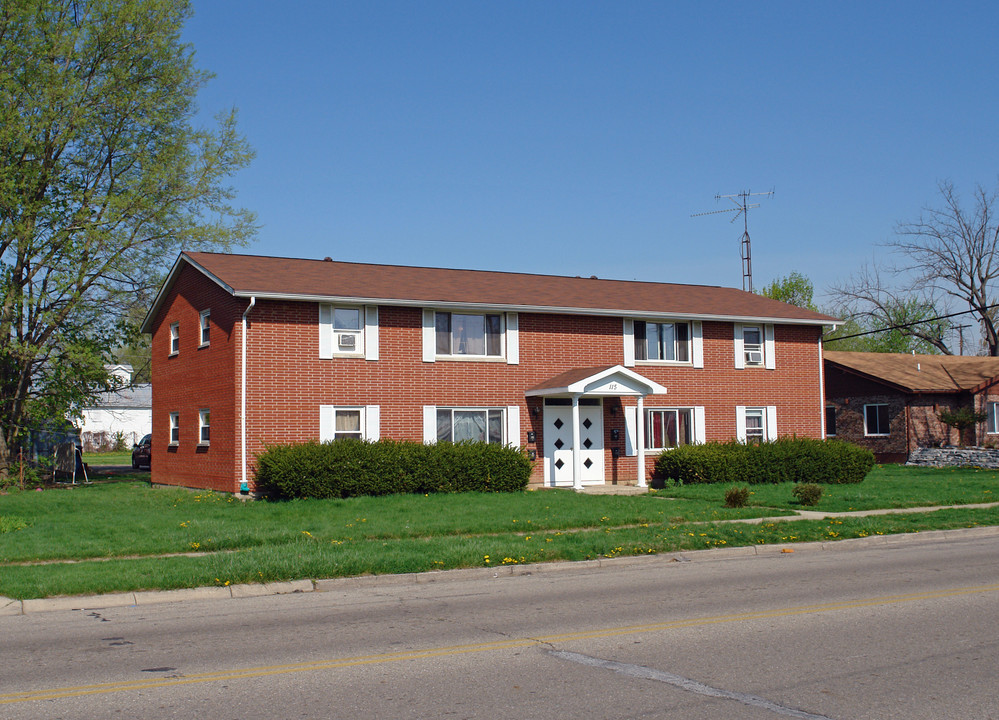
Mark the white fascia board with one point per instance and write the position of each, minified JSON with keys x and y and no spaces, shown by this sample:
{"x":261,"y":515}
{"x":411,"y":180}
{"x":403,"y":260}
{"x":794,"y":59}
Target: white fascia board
{"x":557,"y":310}
{"x":146,"y":326}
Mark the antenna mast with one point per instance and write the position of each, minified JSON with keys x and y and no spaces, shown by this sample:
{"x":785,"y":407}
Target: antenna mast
{"x":742,"y":207}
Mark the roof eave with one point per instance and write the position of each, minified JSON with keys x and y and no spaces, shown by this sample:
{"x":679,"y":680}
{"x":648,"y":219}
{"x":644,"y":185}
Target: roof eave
{"x":147,"y":321}
{"x":501,"y":307}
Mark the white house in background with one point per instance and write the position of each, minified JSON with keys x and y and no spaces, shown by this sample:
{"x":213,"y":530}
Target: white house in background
{"x":126,"y":414}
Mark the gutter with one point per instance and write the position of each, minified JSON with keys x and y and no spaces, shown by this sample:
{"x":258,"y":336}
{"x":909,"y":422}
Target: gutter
{"x":244,"y":486}
{"x":553,"y":309}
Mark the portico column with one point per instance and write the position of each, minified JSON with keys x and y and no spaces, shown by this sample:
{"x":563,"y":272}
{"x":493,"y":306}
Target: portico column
{"x":640,"y":440}
{"x":577,"y":463}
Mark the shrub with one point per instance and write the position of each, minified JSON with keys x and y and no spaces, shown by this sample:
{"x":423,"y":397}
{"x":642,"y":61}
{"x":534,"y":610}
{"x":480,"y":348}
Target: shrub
{"x":736,"y":497}
{"x":807,"y":493}
{"x":348,"y":468}
{"x":782,"y":460}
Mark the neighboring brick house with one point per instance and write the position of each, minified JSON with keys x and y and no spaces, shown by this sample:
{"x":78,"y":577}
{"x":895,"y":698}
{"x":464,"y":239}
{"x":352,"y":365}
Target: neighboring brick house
{"x":251,"y":351}
{"x":890,"y":402}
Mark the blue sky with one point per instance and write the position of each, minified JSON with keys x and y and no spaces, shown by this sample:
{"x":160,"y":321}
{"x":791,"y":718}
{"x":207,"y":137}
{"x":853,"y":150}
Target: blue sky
{"x":577,"y":138}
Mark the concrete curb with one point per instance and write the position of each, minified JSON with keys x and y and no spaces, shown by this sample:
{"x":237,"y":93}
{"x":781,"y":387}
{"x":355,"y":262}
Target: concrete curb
{"x":9,"y":606}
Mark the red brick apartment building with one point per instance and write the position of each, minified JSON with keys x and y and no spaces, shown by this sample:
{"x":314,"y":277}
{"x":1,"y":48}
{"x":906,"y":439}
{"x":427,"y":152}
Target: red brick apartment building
{"x":592,"y":377}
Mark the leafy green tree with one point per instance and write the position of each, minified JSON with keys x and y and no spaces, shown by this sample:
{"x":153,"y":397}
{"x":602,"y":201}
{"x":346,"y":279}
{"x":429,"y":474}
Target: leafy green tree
{"x":876,"y":332}
{"x":103,"y":179}
{"x":795,"y":289}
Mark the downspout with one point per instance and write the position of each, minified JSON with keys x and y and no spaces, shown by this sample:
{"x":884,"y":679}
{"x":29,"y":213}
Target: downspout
{"x":244,"y":486}
{"x":822,"y":390}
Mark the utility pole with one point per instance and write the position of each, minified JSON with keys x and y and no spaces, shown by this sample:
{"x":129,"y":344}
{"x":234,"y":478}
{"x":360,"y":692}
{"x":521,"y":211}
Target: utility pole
{"x":960,"y":332}
{"x":742,"y":207}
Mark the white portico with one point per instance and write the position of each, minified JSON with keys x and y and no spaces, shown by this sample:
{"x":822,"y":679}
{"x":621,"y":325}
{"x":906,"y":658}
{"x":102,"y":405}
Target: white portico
{"x":573,"y":421}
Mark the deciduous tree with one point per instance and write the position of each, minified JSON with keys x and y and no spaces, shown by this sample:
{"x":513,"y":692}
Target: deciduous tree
{"x":103,"y":178}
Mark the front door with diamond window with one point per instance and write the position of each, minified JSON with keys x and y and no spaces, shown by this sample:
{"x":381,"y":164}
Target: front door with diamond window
{"x":558,"y":443}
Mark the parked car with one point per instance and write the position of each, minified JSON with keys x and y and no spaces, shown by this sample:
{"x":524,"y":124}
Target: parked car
{"x":141,"y":456}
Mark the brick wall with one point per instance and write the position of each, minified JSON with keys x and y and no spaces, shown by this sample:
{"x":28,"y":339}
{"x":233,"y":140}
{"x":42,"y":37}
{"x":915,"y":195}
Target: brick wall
{"x":196,"y":378}
{"x":913,"y":418}
{"x":287,"y":381}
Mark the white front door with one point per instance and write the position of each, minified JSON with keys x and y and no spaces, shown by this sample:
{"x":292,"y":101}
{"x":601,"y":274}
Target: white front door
{"x":558,"y":444}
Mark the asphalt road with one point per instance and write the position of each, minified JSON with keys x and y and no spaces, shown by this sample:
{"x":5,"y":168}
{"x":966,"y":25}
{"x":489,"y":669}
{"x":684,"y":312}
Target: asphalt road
{"x":906,"y":630}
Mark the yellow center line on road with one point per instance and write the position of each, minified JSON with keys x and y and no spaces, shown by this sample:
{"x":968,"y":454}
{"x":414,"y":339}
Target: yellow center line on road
{"x":124,"y":686}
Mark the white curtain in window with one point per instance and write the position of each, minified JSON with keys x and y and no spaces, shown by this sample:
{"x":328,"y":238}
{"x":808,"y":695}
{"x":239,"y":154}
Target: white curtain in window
{"x":469,"y":425}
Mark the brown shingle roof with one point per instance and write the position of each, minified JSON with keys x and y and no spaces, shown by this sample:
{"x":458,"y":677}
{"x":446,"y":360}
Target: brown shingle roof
{"x":920,"y":373}
{"x":297,"y":279}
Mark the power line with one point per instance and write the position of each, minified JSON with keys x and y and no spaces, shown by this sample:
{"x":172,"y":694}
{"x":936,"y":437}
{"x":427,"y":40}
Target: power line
{"x":912,"y":324}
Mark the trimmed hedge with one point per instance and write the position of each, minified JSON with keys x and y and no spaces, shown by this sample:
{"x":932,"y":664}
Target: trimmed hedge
{"x":348,"y":468}
{"x":799,"y":460}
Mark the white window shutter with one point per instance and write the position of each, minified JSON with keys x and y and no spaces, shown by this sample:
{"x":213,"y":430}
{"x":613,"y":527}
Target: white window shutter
{"x":429,"y":339}
{"x":631,"y":431}
{"x":429,"y":424}
{"x":371,"y":332}
{"x":372,"y":422}
{"x":327,"y":422}
{"x":768,"y":347}
{"x":771,"y":422}
{"x":513,"y":425}
{"x":698,"y":343}
{"x":700,"y":434}
{"x":325,"y":331}
{"x":512,"y":339}
{"x":740,"y":353}
{"x":629,"y":342}
{"x":740,"y":423}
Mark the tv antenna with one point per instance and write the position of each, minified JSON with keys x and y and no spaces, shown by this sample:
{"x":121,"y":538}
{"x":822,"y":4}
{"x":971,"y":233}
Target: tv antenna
{"x":742,"y":207}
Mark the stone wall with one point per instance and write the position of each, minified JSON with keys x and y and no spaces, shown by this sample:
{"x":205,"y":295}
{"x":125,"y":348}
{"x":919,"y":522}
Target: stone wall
{"x":955,"y":457}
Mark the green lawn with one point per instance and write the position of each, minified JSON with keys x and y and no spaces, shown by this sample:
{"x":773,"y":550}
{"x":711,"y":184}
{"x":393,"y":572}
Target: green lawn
{"x":108,"y":458}
{"x":169,"y":538}
{"x":887,"y":486}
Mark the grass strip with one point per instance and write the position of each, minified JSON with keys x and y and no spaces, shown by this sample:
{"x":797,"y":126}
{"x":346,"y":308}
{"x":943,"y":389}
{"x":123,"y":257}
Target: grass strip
{"x":315,"y":558}
{"x":130,"y":518}
{"x":887,"y":486}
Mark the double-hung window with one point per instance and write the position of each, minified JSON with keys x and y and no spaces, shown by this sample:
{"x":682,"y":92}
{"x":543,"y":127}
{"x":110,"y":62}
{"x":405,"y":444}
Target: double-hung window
{"x":752,"y":345}
{"x":174,"y":428}
{"x":466,"y":334}
{"x":667,"y":341}
{"x":204,"y":426}
{"x":347,"y":423}
{"x":358,"y":422}
{"x":668,"y":428}
{"x":174,"y":338}
{"x":347,"y":327}
{"x":755,"y":425}
{"x":992,"y":418}
{"x":205,"y":324}
{"x":470,"y":424}
{"x":876,"y":421}
{"x":348,"y":331}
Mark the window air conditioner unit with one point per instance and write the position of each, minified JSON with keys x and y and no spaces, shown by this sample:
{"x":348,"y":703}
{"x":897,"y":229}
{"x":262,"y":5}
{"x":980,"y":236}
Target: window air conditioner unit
{"x":754,"y":357}
{"x":347,"y":340}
